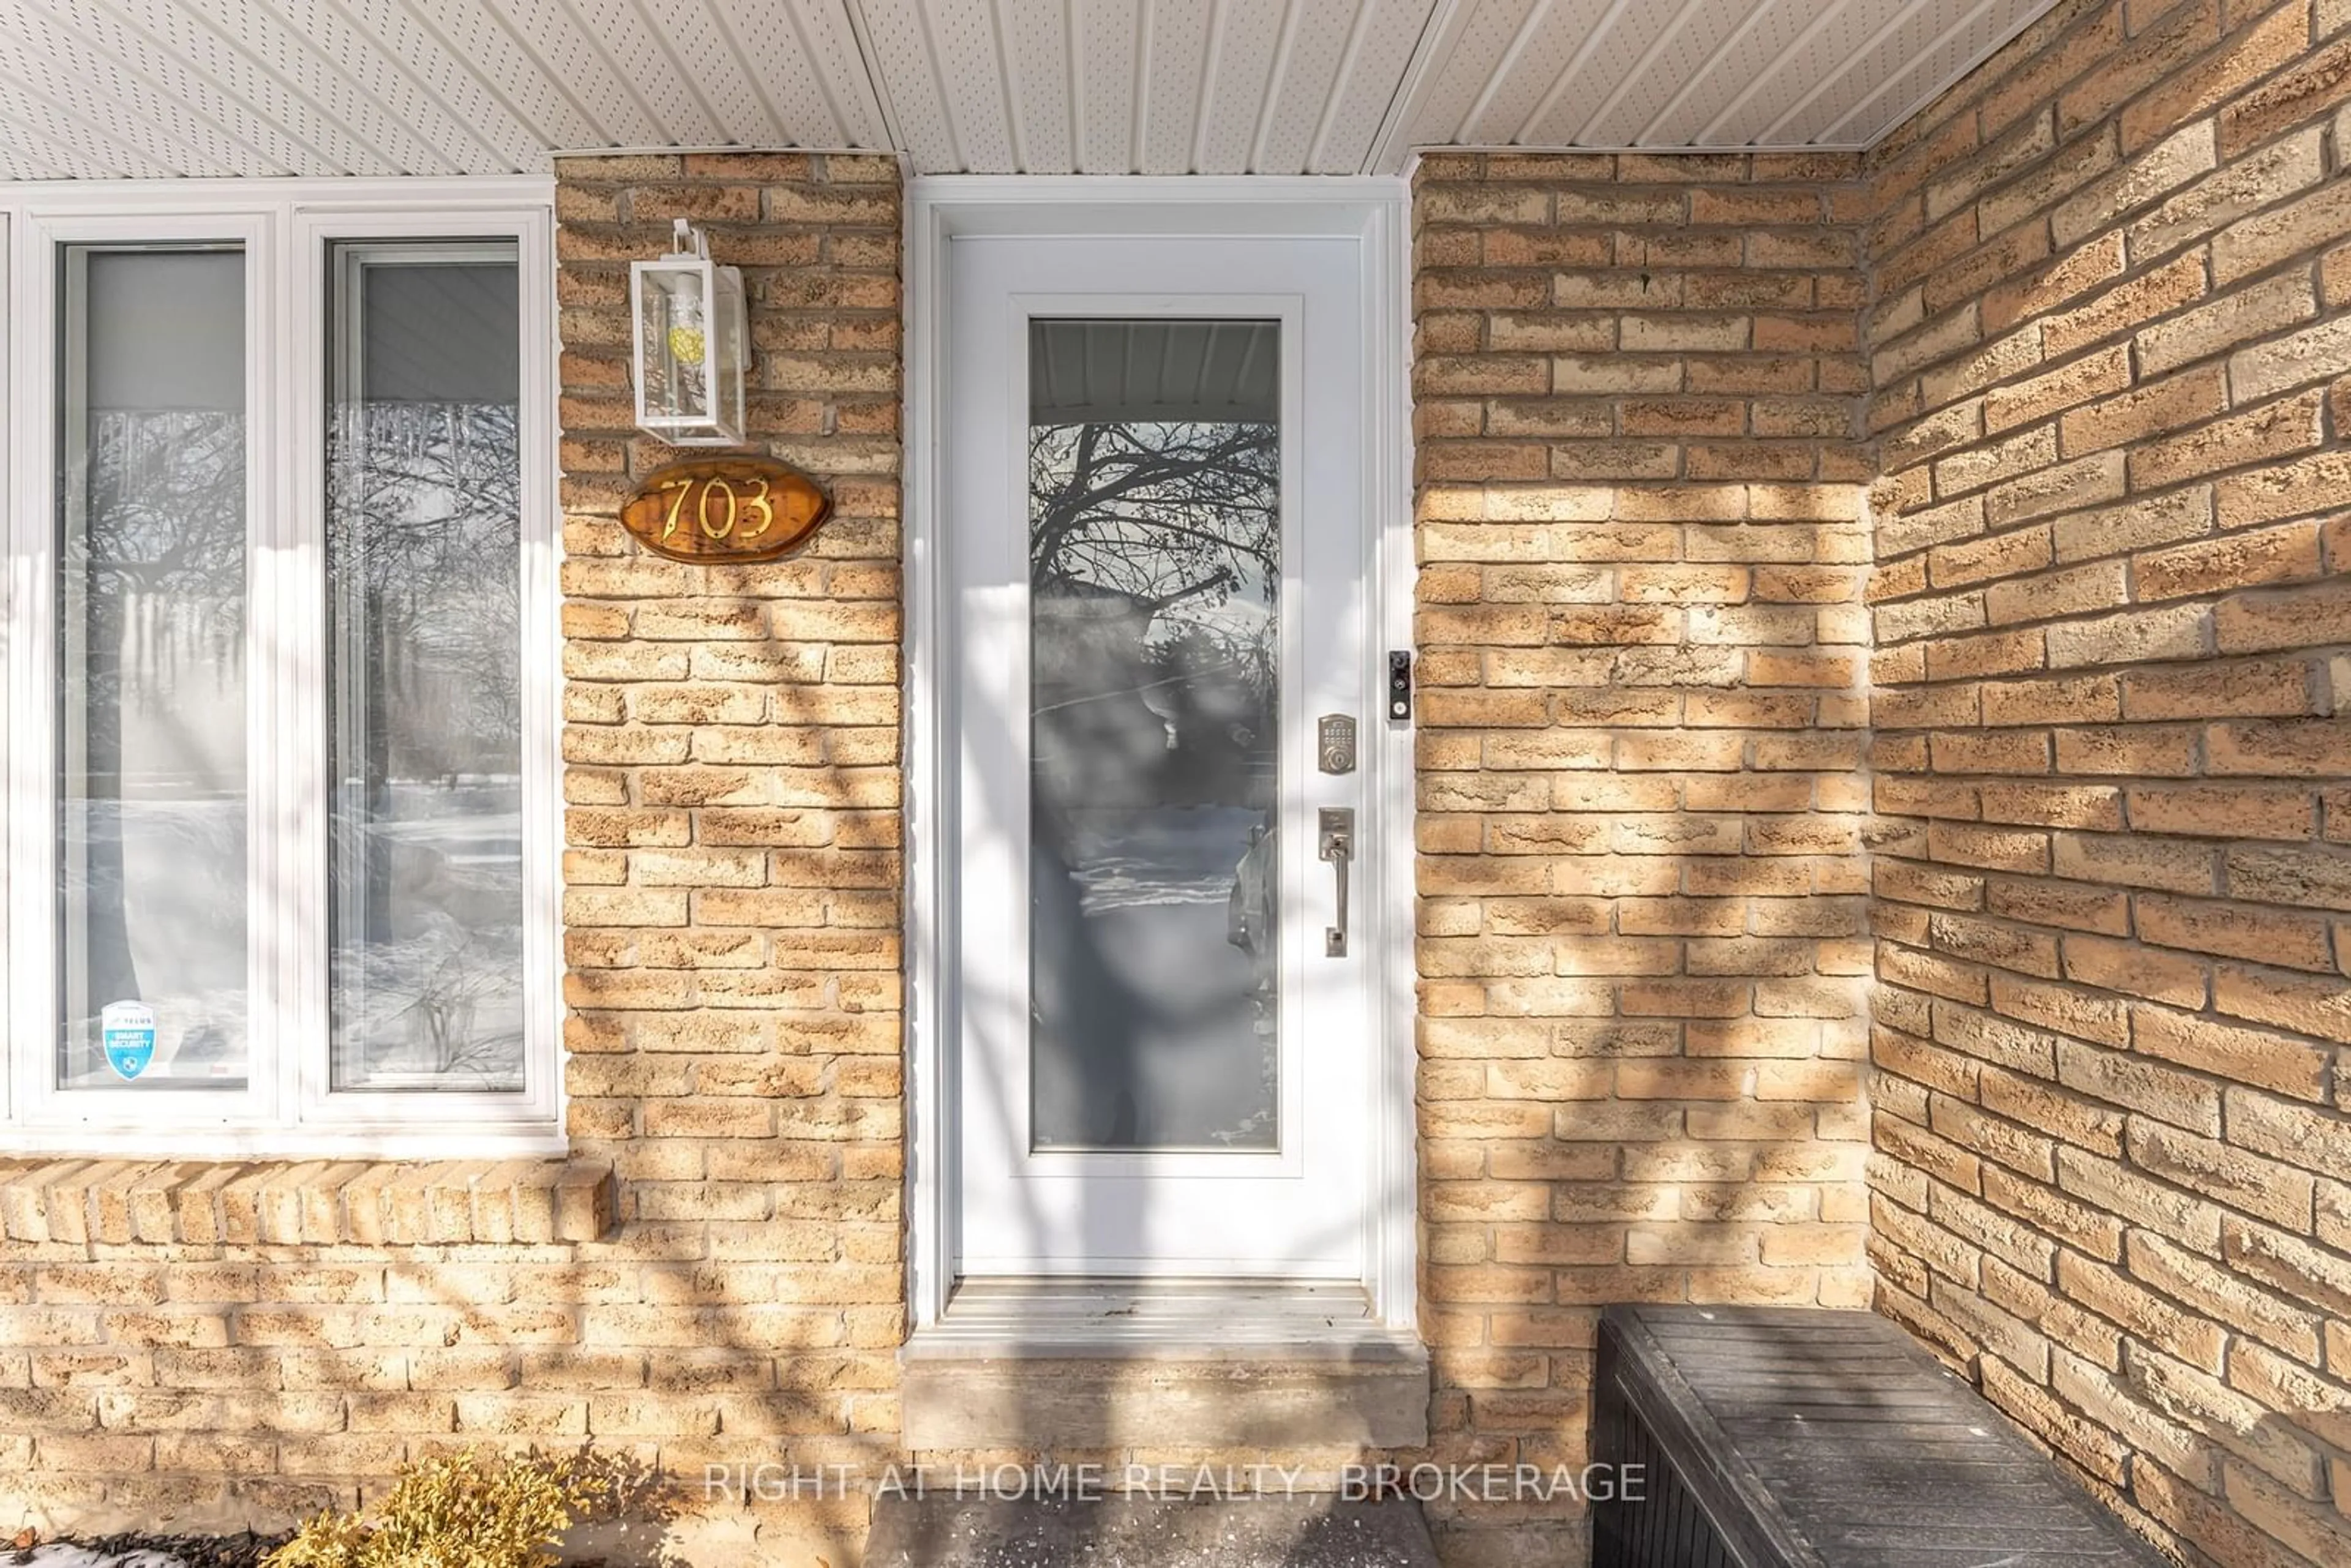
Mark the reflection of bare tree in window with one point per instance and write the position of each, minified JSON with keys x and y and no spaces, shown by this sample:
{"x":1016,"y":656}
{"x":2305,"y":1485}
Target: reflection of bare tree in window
{"x":154,"y":576}
{"x":1164,"y":512}
{"x":422,"y":512}
{"x":1156,"y":552}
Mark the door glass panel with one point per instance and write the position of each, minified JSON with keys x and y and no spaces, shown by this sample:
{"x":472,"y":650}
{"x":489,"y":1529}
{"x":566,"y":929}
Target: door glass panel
{"x":152,"y":595}
{"x":1154,"y":530}
{"x":423,"y":651}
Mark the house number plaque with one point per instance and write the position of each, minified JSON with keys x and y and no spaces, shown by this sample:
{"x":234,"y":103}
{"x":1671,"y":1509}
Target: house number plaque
{"x":724,"y":509}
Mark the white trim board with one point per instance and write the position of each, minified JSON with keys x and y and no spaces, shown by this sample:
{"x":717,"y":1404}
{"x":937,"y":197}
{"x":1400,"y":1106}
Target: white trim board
{"x":134,"y":197}
{"x":1377,"y":211}
{"x":1170,"y":1319}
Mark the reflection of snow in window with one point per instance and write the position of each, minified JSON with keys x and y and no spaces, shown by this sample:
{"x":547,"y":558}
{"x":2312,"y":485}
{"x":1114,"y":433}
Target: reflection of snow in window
{"x":427,"y":803}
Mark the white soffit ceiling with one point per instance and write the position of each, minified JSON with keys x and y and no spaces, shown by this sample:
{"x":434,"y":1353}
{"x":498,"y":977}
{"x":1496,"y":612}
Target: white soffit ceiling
{"x":1700,"y":73}
{"x":114,"y":89}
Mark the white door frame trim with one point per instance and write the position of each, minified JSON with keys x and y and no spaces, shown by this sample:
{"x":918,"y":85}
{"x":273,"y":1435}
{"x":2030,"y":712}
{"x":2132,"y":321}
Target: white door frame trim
{"x":1377,"y":210}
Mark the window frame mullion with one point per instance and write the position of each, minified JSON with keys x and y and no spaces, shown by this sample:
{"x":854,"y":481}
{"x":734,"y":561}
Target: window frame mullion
{"x":268,"y":814}
{"x":297,"y":649}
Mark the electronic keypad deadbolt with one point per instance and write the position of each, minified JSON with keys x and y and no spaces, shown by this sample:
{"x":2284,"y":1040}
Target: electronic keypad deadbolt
{"x":1334,"y":743}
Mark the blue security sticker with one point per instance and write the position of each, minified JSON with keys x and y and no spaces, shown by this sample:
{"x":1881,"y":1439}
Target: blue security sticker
{"x":126,"y":1030}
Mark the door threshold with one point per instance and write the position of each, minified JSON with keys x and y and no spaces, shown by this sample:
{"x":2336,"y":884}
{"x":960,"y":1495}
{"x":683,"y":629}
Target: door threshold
{"x":1169,"y":1319}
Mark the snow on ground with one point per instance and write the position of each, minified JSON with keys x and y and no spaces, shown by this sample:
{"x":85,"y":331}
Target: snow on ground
{"x":142,"y":1550}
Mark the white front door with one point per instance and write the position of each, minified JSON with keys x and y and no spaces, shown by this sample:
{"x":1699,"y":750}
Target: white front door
{"x":1157,"y":539}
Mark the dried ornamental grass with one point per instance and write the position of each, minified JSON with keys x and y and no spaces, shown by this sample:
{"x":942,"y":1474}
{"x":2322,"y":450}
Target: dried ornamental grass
{"x":460,"y":1510}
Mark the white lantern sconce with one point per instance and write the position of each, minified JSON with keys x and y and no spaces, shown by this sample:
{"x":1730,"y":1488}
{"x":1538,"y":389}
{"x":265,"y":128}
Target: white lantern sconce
{"x":690,"y":344}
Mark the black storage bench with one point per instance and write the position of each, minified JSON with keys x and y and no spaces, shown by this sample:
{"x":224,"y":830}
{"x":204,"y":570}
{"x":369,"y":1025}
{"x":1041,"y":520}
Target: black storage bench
{"x":1784,"y":1437}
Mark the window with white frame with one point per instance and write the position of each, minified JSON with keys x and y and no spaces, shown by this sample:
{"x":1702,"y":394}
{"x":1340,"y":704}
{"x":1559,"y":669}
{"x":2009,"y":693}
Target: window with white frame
{"x":281,"y":669}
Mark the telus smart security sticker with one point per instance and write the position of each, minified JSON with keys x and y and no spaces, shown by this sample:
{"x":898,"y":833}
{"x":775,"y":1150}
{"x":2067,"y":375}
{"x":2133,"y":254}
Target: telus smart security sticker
{"x":126,"y":1030}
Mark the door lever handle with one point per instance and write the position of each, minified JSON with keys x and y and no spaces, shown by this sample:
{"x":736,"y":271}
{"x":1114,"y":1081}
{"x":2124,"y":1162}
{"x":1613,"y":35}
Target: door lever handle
{"x":1335,"y":843}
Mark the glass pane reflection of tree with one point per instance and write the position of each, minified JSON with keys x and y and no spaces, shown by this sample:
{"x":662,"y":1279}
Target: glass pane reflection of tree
{"x":424,"y":610}
{"x":1154,"y":552}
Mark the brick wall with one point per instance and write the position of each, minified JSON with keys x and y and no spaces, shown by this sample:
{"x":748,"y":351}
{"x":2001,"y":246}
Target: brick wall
{"x":733,"y":844}
{"x":2109,"y":351}
{"x":1642,"y":907}
{"x":209,"y":1345}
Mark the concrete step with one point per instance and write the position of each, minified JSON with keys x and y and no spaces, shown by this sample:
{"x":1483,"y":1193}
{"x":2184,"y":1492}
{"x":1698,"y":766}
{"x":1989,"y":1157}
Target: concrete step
{"x":1244,"y":1399}
{"x":1116,"y":1532}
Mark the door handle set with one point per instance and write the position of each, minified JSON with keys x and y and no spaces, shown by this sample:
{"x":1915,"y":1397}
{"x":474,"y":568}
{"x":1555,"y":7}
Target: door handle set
{"x":1335,"y":841}
{"x":1334,"y":835}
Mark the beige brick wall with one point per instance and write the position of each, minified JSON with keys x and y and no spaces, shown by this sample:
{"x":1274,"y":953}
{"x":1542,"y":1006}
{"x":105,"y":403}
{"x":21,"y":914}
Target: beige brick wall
{"x":204,"y":1345}
{"x":1642,"y":940}
{"x":733,"y":859}
{"x":2109,"y":348}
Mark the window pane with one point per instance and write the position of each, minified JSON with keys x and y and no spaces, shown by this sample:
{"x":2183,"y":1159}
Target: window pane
{"x":424,"y":564}
{"x":1154,"y":559}
{"x":152,"y":589}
